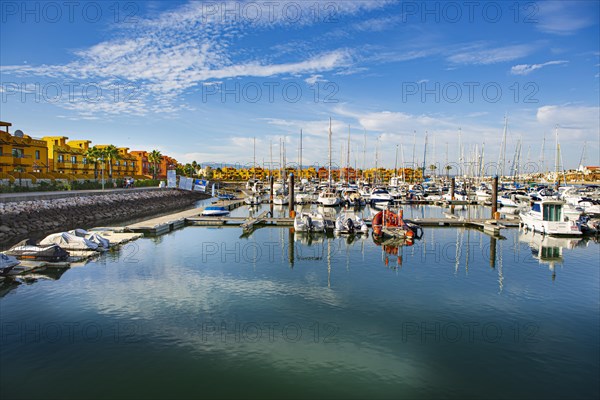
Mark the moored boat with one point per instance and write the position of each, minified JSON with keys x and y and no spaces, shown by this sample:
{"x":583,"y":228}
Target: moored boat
{"x":547,"y":217}
{"x":215,"y":211}
{"x":350,"y":223}
{"x":29,"y":250}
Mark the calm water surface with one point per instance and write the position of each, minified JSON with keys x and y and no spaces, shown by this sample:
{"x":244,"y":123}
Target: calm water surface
{"x":203,"y":312}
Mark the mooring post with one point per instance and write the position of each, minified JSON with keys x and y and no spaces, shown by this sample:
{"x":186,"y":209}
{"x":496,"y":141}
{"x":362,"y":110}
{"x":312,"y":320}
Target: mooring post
{"x":492,"y":252}
{"x":291,"y":203}
{"x":495,"y":197}
{"x":452,"y":186}
{"x":271,"y":188}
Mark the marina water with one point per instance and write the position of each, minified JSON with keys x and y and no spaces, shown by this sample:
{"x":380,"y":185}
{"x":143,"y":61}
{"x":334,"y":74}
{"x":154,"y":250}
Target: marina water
{"x":205,"y":312}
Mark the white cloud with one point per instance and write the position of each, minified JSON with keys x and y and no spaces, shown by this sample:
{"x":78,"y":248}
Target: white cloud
{"x":311,"y":80}
{"x":479,"y":54}
{"x":562,"y":17}
{"x":579,"y":120}
{"x":164,"y":57}
{"x":525,"y":69}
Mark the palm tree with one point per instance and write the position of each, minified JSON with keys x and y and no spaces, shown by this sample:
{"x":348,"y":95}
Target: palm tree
{"x":111,"y":153}
{"x":20,"y":170}
{"x":155,"y":157}
{"x":448,"y":168}
{"x":189,"y":170}
{"x":94,"y":154}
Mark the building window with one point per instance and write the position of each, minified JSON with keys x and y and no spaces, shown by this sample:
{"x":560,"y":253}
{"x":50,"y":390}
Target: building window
{"x":37,"y":154}
{"x":18,"y":153}
{"x":84,"y":160}
{"x":74,"y":159}
{"x":118,"y":163}
{"x":61,"y":158}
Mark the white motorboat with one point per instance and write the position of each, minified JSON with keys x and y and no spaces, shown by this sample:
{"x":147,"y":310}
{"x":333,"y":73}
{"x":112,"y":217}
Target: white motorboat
{"x":304,"y":197}
{"x":380,"y":195}
{"x":69,"y":242}
{"x":215,"y":211}
{"x":253,"y":199}
{"x":309,"y":222}
{"x":281,"y":199}
{"x":328,"y":198}
{"x":547,"y":217}
{"x":350,"y":223}
{"x":28,"y":249}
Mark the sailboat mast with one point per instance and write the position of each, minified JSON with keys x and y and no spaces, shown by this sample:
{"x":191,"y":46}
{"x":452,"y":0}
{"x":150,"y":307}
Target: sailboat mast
{"x":364,"y":156}
{"x":557,"y":161}
{"x":377,"y":160}
{"x":348,"y":158}
{"x":300,"y":173}
{"x":254,"y":161}
{"x":329,"y":175}
{"x":413,"y":165}
{"x":403,"y":166}
{"x":503,"y":148}
{"x":271,"y":155}
{"x":542,"y":161}
{"x":396,"y":162}
{"x":424,"y":155}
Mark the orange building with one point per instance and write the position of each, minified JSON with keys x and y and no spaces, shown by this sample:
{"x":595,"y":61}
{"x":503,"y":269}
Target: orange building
{"x":143,"y":166}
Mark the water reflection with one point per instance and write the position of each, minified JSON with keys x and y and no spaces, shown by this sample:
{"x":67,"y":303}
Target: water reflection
{"x":548,"y":250}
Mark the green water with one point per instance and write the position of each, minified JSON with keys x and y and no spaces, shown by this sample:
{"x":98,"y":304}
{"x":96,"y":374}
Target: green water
{"x":204,"y":313}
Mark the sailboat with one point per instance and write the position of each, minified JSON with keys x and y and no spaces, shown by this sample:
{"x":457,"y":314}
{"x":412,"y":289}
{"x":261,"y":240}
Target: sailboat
{"x":328,"y":197}
{"x":282,"y":197}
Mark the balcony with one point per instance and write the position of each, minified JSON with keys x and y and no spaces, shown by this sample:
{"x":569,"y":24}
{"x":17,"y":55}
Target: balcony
{"x":23,"y":159}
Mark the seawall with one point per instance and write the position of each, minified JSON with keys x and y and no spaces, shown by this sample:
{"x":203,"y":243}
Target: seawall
{"x":37,"y":218}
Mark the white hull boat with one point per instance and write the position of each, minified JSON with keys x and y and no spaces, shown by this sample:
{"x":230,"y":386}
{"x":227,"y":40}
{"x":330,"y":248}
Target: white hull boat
{"x":68,"y":241}
{"x":281,"y":200}
{"x":350,"y":223}
{"x":215,"y":211}
{"x":547,"y":217}
{"x":328,"y":199}
{"x":309,"y":222}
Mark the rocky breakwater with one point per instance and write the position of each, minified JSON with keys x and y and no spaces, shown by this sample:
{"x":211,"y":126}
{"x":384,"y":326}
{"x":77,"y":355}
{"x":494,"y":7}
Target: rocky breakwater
{"x":37,"y":218}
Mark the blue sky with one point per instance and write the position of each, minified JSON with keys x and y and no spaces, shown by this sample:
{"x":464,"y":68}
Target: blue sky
{"x":199,"y":80}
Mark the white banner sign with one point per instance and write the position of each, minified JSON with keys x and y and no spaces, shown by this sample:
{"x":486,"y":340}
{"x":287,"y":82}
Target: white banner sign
{"x":171,"y":178}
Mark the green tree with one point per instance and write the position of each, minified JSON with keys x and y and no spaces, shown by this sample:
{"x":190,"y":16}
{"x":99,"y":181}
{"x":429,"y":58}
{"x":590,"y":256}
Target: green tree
{"x":155,"y":158}
{"x":189,"y":170}
{"x":111,"y":153}
{"x":448,"y":168}
{"x":20,"y":170}
{"x":93,"y":155}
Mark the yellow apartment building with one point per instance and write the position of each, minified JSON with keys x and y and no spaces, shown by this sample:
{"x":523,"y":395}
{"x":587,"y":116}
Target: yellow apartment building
{"x":68,"y":158}
{"x":122,"y":167}
{"x":21,"y":153}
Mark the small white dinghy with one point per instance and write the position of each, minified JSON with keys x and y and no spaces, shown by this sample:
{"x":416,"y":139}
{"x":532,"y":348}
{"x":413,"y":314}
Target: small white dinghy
{"x":309,"y":222}
{"x":69,"y":241}
{"x":350,"y":223}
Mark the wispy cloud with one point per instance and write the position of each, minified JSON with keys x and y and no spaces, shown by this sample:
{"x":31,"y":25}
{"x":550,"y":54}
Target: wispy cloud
{"x":165,"y":56}
{"x":581,"y":121}
{"x":525,"y":69}
{"x":564,"y":17}
{"x":481,"y":54}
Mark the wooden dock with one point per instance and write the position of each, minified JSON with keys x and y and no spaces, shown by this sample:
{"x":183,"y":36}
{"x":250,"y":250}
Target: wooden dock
{"x":168,"y":223}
